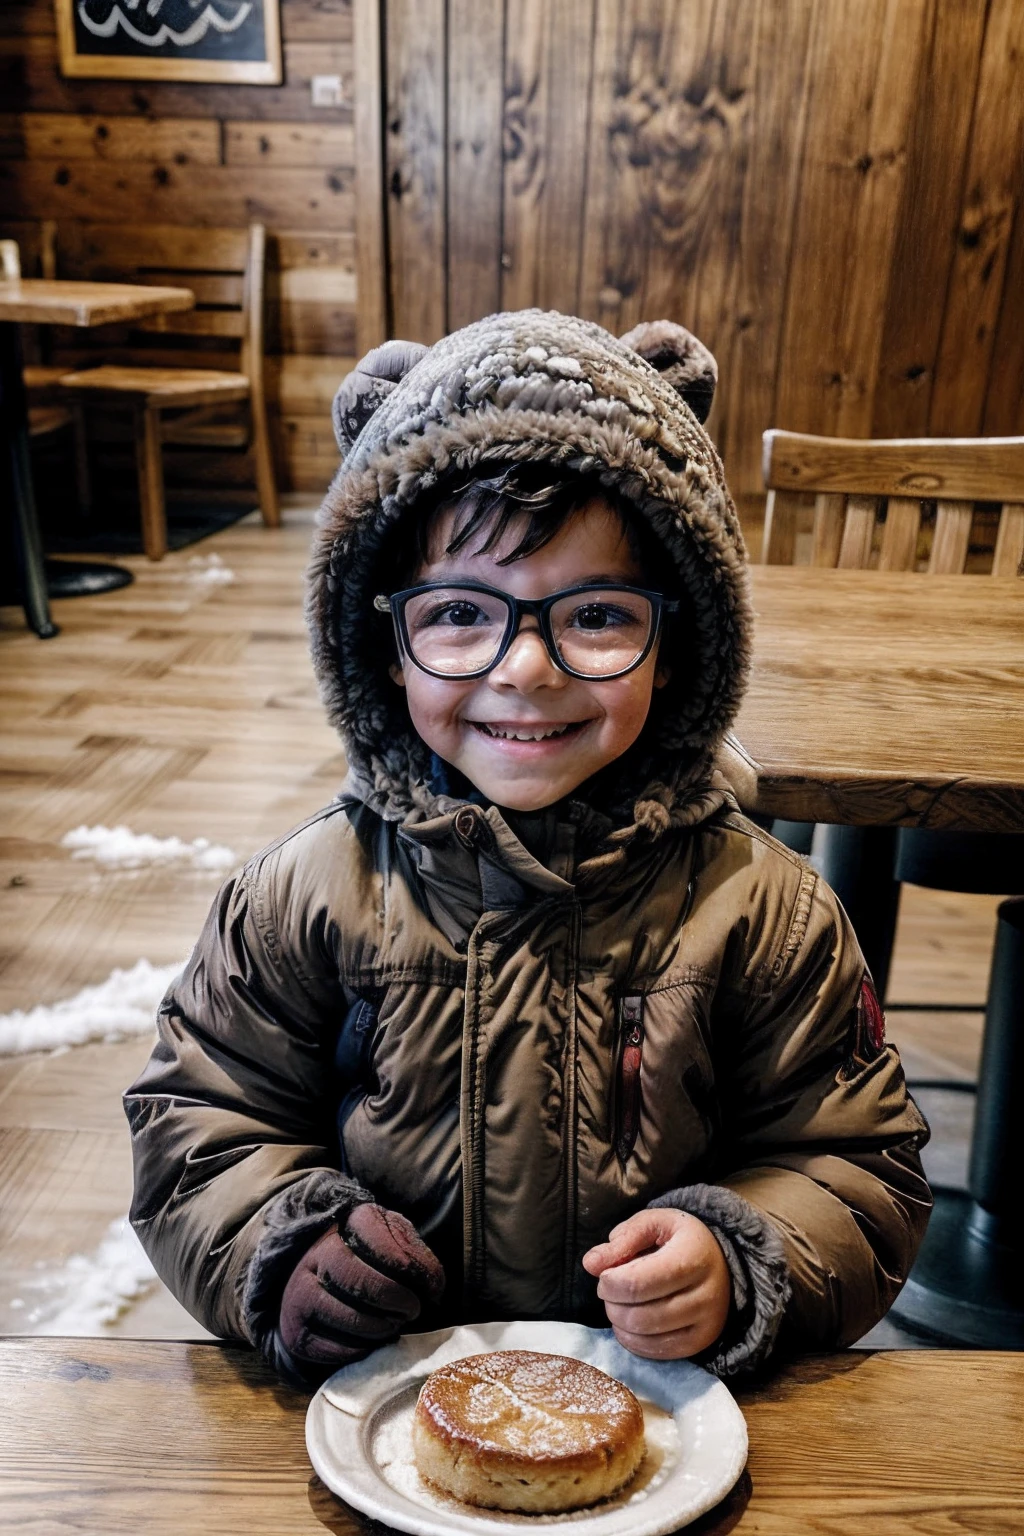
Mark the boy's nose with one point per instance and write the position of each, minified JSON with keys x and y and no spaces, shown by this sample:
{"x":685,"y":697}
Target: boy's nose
{"x":526,"y":664}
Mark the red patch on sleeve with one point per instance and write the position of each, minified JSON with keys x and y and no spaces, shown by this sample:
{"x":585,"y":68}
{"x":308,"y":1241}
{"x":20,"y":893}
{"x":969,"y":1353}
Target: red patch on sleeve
{"x":867,"y":1032}
{"x":872,"y":1020}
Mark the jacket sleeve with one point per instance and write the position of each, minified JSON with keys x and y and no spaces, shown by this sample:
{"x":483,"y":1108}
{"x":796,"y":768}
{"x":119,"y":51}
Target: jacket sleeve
{"x":236,"y":1162}
{"x":820,"y":1201}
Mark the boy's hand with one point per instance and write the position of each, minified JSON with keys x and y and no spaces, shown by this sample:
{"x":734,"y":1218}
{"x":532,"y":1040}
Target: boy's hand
{"x":356,"y":1288}
{"x":664,"y":1283}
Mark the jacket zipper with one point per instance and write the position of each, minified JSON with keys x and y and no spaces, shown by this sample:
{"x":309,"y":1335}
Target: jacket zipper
{"x":631,"y":1029}
{"x":570,"y":1260}
{"x":471,"y":1114}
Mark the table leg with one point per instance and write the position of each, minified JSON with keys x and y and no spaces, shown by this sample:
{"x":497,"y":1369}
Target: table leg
{"x":857,"y":862}
{"x":39,"y":577}
{"x":968,"y":1283}
{"x":25,"y":527}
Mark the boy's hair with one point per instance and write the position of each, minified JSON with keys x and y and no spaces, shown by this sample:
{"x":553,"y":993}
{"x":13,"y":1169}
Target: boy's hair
{"x":534,"y":493}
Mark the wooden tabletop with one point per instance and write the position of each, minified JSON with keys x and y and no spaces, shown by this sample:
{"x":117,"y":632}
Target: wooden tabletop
{"x":885,"y":698}
{"x":43,"y":301}
{"x":112,"y":1435}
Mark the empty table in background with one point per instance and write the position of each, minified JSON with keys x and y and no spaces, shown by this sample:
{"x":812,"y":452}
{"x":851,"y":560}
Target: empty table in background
{"x":42,"y":301}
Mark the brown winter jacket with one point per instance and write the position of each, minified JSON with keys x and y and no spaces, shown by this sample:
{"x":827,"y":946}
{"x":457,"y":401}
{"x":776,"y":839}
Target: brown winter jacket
{"x":426,"y":1001}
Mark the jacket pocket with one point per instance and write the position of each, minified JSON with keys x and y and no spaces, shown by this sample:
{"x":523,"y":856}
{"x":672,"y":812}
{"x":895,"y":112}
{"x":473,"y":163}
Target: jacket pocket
{"x":631,"y":1055}
{"x":352,"y":1072}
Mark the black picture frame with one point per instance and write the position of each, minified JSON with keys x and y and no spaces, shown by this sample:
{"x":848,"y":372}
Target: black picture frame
{"x":200,"y":40}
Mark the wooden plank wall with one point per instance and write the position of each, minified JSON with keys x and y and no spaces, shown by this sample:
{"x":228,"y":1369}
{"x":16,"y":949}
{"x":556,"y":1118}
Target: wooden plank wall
{"x":209,"y":155}
{"x":830,"y":195}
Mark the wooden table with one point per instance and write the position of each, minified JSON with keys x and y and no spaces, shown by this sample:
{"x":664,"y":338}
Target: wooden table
{"x":893,"y":699}
{"x":885,"y":699}
{"x":111,"y":1435}
{"x":54,"y":302}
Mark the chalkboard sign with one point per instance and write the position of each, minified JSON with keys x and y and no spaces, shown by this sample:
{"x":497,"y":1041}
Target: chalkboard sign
{"x":237,"y":40}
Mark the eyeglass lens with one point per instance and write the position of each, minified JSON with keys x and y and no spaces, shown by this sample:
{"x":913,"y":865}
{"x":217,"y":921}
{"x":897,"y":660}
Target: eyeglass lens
{"x":456,"y":630}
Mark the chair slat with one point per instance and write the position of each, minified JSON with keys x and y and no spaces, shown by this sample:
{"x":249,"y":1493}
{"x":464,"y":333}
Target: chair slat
{"x":899,"y":536}
{"x":87,"y":248}
{"x":951,"y":539}
{"x":1008,"y":559}
{"x":855,"y":550}
{"x":948,"y":468}
{"x":48,"y":249}
{"x":75,"y":358}
{"x":827,"y":537}
{"x":782,"y":509}
{"x":222,"y":288}
{"x":198,"y":322}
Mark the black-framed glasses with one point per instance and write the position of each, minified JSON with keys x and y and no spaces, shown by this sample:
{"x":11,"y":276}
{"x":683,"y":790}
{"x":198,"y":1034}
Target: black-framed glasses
{"x":460,"y":630}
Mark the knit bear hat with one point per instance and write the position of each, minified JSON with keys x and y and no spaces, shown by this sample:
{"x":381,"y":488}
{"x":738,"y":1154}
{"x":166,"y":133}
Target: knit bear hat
{"x":530,"y":387}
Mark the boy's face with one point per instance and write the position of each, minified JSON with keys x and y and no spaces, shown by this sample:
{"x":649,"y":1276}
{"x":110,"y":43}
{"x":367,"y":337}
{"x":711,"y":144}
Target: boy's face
{"x":575,"y":726}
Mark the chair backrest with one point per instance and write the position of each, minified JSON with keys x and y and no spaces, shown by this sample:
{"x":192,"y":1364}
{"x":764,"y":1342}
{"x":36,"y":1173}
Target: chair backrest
{"x":873,"y":499}
{"x":225,"y":269}
{"x":28,"y":249}
{"x":10,"y":261}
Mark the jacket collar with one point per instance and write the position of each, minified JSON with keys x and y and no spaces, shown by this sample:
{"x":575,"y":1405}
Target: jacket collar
{"x":472,"y":857}
{"x":469,"y":861}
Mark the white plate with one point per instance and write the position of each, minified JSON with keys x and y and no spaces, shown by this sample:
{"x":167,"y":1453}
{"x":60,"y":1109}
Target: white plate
{"x":358,"y":1434}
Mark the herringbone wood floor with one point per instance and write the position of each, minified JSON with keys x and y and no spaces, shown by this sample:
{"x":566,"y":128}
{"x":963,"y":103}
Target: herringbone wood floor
{"x":185,"y":706}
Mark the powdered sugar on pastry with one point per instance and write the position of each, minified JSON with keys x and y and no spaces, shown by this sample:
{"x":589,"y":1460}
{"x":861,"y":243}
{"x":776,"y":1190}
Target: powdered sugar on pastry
{"x":392,"y":1454}
{"x":522,"y":1403}
{"x":529,"y":1432}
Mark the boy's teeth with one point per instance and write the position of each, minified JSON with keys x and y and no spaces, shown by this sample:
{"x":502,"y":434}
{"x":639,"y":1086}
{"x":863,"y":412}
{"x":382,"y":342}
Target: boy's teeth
{"x":509,"y":735}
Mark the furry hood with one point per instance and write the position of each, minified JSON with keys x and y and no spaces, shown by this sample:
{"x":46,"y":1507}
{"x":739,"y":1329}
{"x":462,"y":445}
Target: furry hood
{"x":533,"y":386}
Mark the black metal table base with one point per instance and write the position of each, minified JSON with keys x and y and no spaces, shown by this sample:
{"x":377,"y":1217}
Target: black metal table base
{"x":857,"y":862}
{"x":16,"y":470}
{"x":968,"y":1283}
{"x":967,"y":1286}
{"x":38,"y":580}
{"x":84,"y":578}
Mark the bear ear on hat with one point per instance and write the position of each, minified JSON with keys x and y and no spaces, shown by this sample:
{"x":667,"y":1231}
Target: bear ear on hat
{"x":363,"y":390}
{"x":682,"y":360}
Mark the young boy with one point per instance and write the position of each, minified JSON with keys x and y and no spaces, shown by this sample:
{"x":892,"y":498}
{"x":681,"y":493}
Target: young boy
{"x":531,"y":1022}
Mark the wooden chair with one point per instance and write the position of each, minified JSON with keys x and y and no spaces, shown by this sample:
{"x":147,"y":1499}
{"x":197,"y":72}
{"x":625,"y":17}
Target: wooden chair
{"x":869,"y":505}
{"x":869,"y":497}
{"x":172,"y":402}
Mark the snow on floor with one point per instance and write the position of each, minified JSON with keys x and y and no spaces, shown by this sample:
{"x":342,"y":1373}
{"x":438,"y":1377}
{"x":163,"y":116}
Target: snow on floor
{"x":91,"y":1290}
{"x":208,"y":571}
{"x":121,"y":848}
{"x":125,"y":1004}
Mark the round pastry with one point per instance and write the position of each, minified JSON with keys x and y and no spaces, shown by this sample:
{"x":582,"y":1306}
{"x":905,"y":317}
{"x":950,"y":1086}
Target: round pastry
{"x":528,"y":1432}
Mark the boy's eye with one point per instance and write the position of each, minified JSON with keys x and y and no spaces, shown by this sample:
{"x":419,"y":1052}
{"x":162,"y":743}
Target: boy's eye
{"x":597,"y":616}
{"x":461,"y":614}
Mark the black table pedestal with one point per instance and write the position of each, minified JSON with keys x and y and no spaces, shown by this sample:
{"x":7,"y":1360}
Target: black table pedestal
{"x":84,"y":578}
{"x":967,"y":1286}
{"x":857,"y":862}
{"x":38,"y":579}
{"x":968,"y":1283}
{"x":28,"y":549}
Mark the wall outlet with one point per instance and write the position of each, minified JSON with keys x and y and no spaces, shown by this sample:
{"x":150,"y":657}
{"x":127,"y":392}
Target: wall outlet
{"x":326,"y":90}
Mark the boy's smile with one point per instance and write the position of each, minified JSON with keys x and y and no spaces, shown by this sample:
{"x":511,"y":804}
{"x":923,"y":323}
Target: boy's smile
{"x":526,"y":734}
